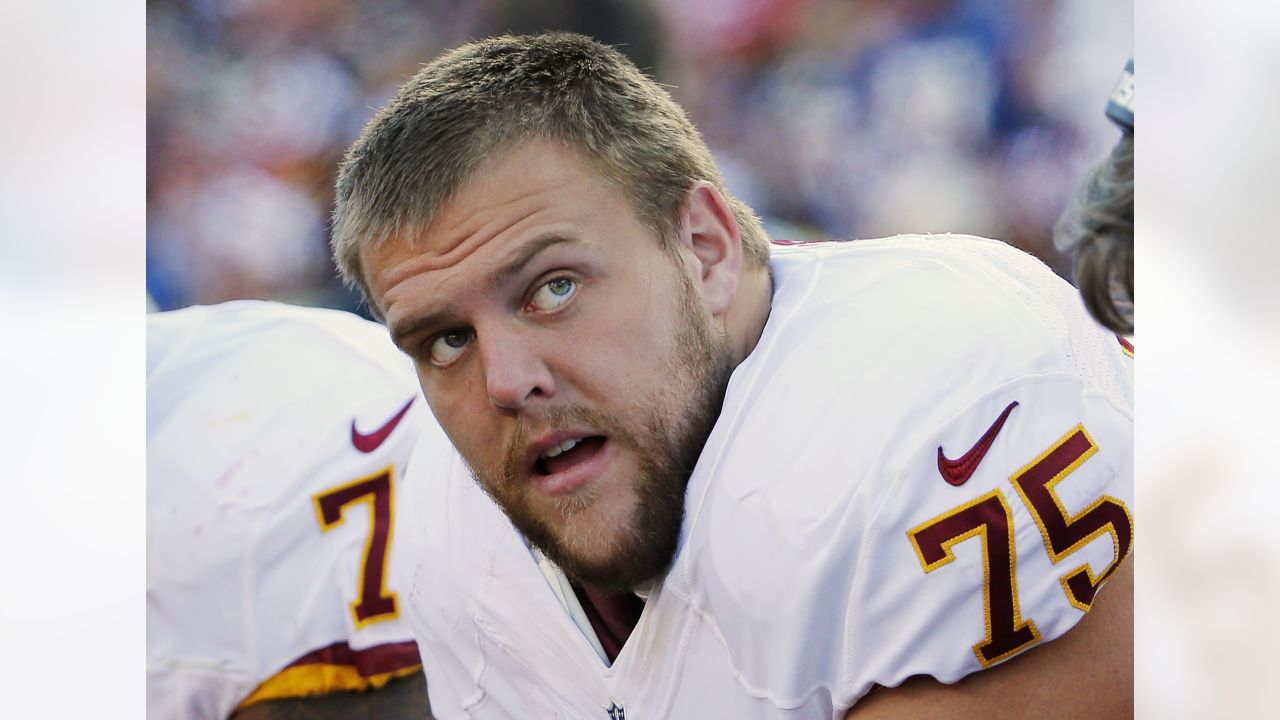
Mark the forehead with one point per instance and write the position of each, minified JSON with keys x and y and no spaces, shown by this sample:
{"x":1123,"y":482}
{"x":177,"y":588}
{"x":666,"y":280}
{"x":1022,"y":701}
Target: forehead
{"x":512,"y":198}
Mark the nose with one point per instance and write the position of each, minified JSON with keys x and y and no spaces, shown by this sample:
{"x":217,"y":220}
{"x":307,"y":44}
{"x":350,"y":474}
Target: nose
{"x":515,"y":372}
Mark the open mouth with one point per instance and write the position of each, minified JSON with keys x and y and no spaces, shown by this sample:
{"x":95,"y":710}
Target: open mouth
{"x":567,"y":455}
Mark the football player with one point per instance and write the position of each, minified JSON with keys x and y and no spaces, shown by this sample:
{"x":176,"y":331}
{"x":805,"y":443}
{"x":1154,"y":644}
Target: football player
{"x":277,"y":439}
{"x":701,"y":475}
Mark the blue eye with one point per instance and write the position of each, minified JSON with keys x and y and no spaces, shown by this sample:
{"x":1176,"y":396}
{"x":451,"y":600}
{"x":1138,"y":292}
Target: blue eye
{"x":553,"y":294}
{"x":447,"y":346}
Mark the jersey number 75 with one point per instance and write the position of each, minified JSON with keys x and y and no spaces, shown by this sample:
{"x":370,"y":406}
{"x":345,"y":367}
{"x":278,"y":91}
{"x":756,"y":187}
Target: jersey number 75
{"x":990,"y":518}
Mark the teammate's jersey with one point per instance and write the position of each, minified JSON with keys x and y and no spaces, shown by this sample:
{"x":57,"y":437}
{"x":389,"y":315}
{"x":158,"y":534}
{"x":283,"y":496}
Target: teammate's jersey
{"x":277,"y":439}
{"x":924,"y":467}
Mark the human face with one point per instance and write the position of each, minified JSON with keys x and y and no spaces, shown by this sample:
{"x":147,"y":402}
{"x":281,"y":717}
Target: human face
{"x":571,"y":359}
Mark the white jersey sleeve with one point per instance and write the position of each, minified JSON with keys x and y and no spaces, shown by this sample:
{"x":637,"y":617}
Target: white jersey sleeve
{"x":987,"y":550}
{"x":277,"y":439}
{"x":1011,"y":503}
{"x":924,"y":468}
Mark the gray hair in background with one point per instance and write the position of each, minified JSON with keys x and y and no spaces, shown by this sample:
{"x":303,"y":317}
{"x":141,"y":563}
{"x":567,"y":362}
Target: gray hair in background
{"x":1097,"y":230}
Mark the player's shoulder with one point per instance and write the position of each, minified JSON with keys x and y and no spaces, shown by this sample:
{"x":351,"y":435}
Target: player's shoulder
{"x":898,"y":383}
{"x":872,"y":345}
{"x":269,"y":427}
{"x":269,"y":356}
{"x":931,"y":289}
{"x":954,"y":247}
{"x":276,"y":331}
{"x":992,"y":533}
{"x":873,"y":349}
{"x":939,"y":547}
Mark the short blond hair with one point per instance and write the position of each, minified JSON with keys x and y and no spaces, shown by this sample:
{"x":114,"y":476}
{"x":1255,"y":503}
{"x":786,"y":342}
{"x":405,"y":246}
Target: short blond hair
{"x":489,"y":96}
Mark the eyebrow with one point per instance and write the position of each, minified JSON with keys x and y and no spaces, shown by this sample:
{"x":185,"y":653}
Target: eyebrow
{"x":496,"y":280}
{"x":412,"y":327}
{"x":500,"y":277}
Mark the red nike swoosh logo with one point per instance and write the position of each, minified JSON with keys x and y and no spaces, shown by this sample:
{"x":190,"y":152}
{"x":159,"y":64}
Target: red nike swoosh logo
{"x":368,"y":443}
{"x":958,"y":471}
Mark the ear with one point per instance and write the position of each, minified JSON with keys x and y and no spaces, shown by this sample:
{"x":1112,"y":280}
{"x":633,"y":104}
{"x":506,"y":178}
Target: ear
{"x":710,"y":232}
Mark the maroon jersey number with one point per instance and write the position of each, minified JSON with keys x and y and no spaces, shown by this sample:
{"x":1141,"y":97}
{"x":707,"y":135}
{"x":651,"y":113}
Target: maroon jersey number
{"x":375,"y":602}
{"x":1065,"y":533}
{"x":987,"y":518}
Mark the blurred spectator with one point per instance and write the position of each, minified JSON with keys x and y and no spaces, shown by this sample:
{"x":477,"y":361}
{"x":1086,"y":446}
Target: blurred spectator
{"x":834,"y":118}
{"x":1097,"y":227}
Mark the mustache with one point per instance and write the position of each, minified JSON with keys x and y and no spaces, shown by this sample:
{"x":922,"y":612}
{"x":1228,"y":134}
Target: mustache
{"x":553,"y":420}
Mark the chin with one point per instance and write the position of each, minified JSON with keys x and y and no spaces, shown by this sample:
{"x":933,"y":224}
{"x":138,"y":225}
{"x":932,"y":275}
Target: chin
{"x":601,"y":534}
{"x":621,"y":570}
{"x":616,"y":548}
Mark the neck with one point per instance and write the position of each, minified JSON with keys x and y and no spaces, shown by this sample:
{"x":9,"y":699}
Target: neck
{"x":744,"y":323}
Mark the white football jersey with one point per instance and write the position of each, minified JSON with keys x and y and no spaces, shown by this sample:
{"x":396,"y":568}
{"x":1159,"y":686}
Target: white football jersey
{"x":277,"y":439}
{"x":924,"y":467}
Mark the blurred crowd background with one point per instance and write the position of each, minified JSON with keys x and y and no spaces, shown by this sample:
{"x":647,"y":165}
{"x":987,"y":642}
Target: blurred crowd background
{"x":833,"y":118}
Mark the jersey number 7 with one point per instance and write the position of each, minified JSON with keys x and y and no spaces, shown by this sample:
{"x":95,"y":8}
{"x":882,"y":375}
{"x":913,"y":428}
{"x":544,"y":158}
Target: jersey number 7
{"x":990,"y":518}
{"x":375,"y":602}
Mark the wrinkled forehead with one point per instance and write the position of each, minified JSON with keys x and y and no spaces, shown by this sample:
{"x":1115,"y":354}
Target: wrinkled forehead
{"x":506,"y":181}
{"x":527,"y":161}
{"x":515,"y":195}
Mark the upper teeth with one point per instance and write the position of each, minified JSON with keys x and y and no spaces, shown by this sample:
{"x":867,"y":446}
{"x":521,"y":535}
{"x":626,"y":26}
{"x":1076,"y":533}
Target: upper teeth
{"x":562,"y":447}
